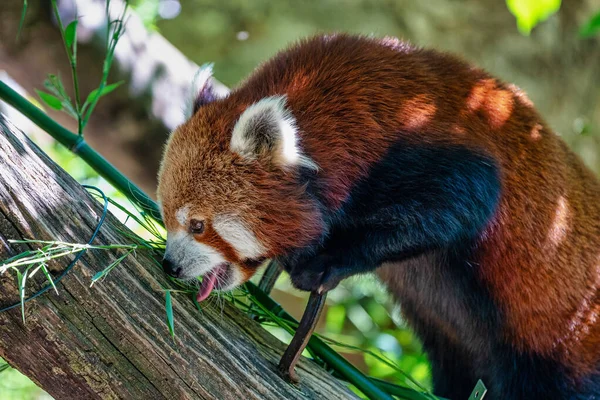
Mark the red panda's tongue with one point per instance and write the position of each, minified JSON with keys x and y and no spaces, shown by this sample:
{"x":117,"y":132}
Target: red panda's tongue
{"x":207,"y":285}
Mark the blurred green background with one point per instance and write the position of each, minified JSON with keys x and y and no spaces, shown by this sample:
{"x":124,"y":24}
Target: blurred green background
{"x":549,"y":49}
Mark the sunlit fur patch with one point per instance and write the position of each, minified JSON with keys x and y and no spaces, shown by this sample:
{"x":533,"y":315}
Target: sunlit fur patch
{"x":193,"y":257}
{"x":182,"y":215}
{"x":496,"y":103}
{"x":233,"y":230}
{"x":417,"y":112}
{"x":560,"y":225}
{"x":396,"y":44}
{"x":536,"y":132}
{"x":499,"y":107}
{"x":521,"y":95}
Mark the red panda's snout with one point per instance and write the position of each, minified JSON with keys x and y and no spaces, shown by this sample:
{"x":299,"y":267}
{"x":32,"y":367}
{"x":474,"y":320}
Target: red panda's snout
{"x":230,"y":192}
{"x":225,"y":260}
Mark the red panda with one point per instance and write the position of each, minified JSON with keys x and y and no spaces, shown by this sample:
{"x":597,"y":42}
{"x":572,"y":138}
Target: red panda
{"x":345,"y":155}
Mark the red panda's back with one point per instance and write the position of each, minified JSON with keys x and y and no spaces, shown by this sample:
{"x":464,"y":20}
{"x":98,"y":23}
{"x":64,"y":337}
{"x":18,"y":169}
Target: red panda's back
{"x":354,"y":98}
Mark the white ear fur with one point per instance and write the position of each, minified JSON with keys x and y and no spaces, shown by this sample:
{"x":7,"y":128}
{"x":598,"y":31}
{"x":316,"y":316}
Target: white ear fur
{"x":267,"y":128}
{"x":205,"y":89}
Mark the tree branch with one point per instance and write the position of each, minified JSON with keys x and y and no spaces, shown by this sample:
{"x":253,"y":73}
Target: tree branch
{"x":111,"y":341}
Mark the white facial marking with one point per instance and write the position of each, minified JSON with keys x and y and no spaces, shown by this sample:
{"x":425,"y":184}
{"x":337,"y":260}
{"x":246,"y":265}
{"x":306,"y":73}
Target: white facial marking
{"x":235,"y":279}
{"x":234,"y":231}
{"x":193,"y":257}
{"x":279,"y":131}
{"x":182,"y":215}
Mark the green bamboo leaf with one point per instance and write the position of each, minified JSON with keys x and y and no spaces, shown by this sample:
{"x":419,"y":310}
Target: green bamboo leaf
{"x":16,"y":257}
{"x":23,"y":12}
{"x":529,"y":13}
{"x":45,"y":271}
{"x":21,"y":279}
{"x":105,"y":90}
{"x":196,"y":302}
{"x":4,"y":367}
{"x":54,"y":84}
{"x":97,"y":276}
{"x":68,"y":108}
{"x":169,"y":310}
{"x":50,"y":100}
{"x":71,"y":33}
{"x":479,"y":391}
{"x":591,"y":27}
{"x":101,"y":274}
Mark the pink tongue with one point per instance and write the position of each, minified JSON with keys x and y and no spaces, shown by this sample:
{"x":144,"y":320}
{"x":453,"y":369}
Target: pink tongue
{"x":207,"y":285}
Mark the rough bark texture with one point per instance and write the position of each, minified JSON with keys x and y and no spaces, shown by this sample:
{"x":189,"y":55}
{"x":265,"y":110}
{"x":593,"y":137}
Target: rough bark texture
{"x":111,"y":340}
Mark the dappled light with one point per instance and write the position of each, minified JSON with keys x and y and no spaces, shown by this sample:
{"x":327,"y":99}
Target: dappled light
{"x":560,"y":225}
{"x":494,"y":103}
{"x":417,"y":112}
{"x":301,"y":81}
{"x":588,"y":311}
{"x":536,"y":132}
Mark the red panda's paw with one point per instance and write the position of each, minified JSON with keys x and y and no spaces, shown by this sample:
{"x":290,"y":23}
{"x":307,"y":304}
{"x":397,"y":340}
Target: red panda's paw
{"x":319,"y":274}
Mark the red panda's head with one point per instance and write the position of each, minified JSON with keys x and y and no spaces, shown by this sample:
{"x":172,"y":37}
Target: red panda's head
{"x":231,"y":191}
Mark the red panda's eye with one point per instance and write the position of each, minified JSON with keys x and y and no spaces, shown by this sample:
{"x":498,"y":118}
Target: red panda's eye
{"x":196,"y":226}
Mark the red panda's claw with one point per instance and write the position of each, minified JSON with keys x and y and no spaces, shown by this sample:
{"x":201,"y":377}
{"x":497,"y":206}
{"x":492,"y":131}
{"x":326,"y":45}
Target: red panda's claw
{"x":318,"y":276}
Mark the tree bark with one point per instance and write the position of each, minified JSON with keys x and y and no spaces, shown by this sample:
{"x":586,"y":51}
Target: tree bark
{"x":111,"y":340}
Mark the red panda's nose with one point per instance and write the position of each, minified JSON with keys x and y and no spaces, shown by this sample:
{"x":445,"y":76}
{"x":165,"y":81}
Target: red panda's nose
{"x":170,"y":268}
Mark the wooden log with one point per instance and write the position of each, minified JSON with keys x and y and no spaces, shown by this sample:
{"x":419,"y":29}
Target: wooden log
{"x":111,"y":340}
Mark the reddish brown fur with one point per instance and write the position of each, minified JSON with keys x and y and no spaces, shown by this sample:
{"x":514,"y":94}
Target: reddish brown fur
{"x":253,"y":191}
{"x":544,"y":279}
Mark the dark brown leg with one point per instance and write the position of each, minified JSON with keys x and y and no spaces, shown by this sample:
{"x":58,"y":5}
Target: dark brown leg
{"x":303,"y":333}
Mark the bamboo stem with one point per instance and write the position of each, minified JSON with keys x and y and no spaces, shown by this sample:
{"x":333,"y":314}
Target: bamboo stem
{"x":77,"y":145}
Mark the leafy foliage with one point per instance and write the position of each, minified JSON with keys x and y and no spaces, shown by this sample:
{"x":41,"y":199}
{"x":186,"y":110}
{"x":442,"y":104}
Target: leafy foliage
{"x":22,"y":20}
{"x":529,"y":13}
{"x":592,"y":27}
{"x":58,"y":98}
{"x":169,"y":312}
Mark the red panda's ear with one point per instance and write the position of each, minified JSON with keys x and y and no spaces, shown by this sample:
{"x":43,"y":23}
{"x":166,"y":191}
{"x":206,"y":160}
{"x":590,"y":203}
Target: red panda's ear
{"x":205,"y":89}
{"x":268,"y":129}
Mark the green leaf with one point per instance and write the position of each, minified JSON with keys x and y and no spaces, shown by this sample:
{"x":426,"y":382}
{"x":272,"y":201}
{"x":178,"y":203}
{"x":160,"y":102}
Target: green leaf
{"x":54,"y":84}
{"x":591,"y":27}
{"x":21,"y":279}
{"x":479,"y":391}
{"x":169,"y":309}
{"x":97,"y":276}
{"x":529,"y":13}
{"x":105,"y":90}
{"x":50,"y":100}
{"x":23,"y":12}
{"x":68,"y":108}
{"x":45,"y":271}
{"x":4,"y":367}
{"x":71,"y":33}
{"x":101,"y":274}
{"x":196,"y":302}
{"x":17,"y":257}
